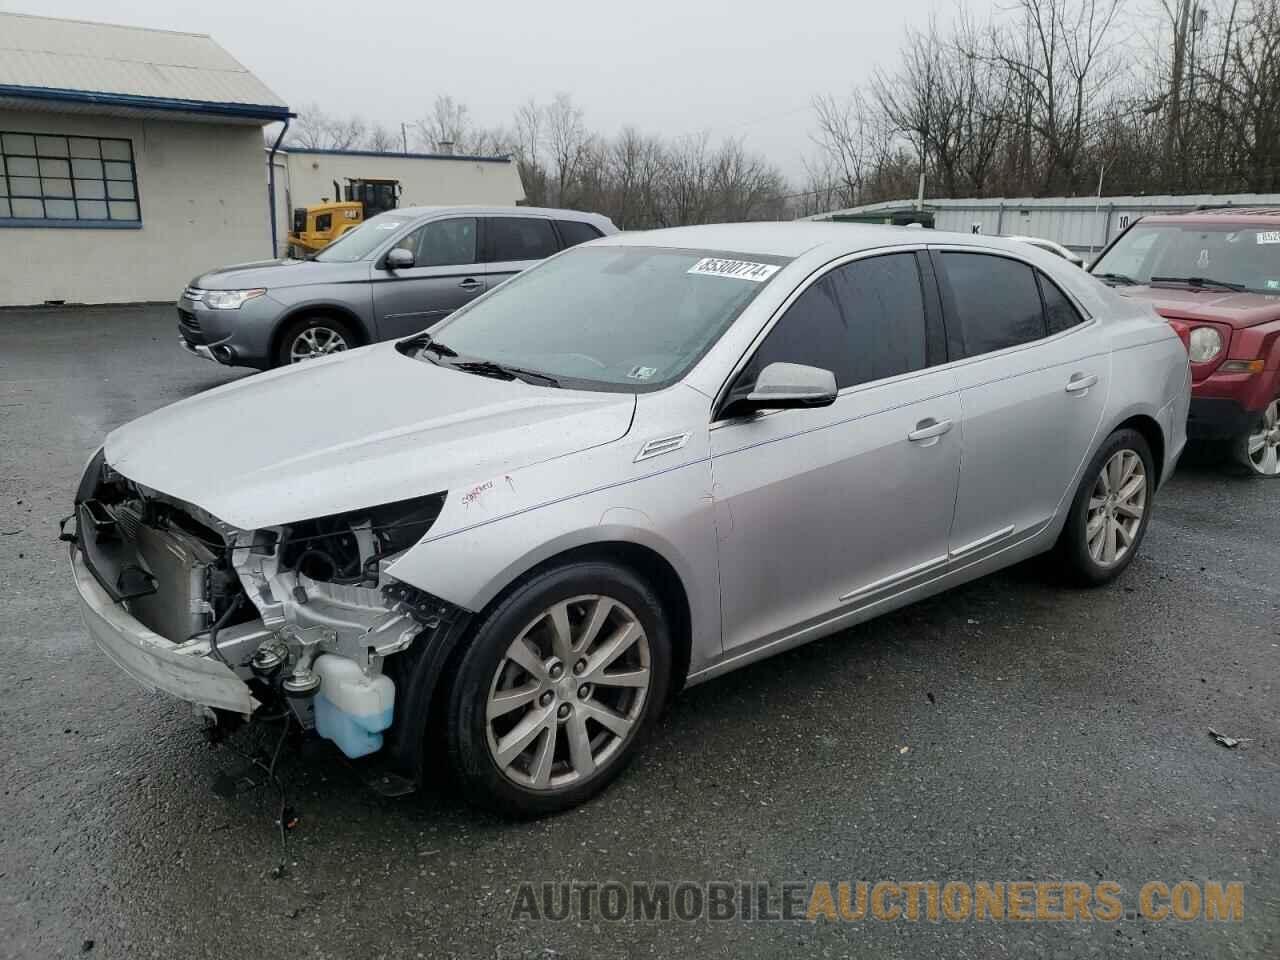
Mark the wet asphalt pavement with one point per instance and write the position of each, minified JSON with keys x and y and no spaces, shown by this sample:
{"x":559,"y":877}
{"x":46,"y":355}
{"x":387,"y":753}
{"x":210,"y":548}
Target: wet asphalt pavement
{"x":1053,"y":734}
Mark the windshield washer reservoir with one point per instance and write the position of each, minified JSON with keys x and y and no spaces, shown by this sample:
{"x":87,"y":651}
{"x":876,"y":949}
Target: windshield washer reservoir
{"x":352,"y":709}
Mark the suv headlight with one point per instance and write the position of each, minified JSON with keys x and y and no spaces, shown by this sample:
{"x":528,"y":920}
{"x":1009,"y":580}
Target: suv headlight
{"x":229,"y":299}
{"x":1204,"y":344}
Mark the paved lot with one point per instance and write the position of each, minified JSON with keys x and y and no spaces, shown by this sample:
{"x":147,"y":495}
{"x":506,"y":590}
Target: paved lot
{"x":1053,"y":734}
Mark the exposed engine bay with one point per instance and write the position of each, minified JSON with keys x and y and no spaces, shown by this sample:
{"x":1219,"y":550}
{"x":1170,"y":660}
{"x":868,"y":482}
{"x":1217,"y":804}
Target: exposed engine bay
{"x":304,"y":614}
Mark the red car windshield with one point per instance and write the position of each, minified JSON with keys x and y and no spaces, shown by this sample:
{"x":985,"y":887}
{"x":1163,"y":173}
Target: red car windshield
{"x":1247,"y":257}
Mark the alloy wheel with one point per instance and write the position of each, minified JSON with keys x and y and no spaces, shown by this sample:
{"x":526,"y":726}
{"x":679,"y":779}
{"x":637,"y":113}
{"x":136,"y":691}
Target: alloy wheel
{"x":569,"y":692}
{"x":1263,"y":447}
{"x":1116,"y":506}
{"x":316,"y":342}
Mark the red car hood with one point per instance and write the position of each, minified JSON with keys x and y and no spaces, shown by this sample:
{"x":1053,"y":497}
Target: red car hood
{"x":1236,"y":309}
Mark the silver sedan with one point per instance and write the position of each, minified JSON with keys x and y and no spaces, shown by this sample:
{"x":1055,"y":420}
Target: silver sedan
{"x":651,"y":460}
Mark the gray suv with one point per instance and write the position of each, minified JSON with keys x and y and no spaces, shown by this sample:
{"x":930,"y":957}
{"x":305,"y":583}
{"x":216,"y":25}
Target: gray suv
{"x":396,"y":274}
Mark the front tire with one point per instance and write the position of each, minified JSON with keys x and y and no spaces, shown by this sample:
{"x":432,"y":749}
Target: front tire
{"x":1110,"y":512}
{"x":1258,"y":451}
{"x":559,"y":685}
{"x":310,"y":337}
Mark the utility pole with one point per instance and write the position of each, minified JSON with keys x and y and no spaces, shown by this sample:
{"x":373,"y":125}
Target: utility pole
{"x":404,"y":136}
{"x":1097,"y":204}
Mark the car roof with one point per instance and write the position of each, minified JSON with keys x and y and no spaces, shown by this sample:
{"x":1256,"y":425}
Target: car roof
{"x":1259,"y":215}
{"x":795,"y":238}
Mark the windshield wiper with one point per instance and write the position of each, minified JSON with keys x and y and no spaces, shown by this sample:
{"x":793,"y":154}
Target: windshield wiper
{"x":490,"y":368}
{"x":1117,"y":278}
{"x":1200,"y":282}
{"x":424,"y":342}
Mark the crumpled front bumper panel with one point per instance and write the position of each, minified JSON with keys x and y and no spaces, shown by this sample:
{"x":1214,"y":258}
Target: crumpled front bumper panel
{"x":149,"y":658}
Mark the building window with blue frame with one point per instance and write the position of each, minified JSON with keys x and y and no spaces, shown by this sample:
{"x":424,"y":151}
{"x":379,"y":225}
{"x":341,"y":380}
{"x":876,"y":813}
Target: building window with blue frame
{"x":56,"y":181}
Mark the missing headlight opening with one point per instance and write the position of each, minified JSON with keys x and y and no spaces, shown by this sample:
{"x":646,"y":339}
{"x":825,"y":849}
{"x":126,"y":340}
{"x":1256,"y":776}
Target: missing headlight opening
{"x":302,"y":615}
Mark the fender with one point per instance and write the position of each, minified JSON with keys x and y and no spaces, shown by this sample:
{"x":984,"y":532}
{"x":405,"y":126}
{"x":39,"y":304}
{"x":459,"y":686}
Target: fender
{"x":473,"y":565}
{"x":362,"y":325}
{"x":493,"y":531}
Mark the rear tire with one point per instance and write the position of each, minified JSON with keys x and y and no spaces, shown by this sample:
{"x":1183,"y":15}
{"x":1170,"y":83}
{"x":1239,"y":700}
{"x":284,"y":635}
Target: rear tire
{"x":1258,"y":451}
{"x":1110,"y":512}
{"x":561,"y":682}
{"x":308,"y":338}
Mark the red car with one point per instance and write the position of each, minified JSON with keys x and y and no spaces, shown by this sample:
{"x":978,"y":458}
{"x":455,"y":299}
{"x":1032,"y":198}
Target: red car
{"x":1215,"y":276}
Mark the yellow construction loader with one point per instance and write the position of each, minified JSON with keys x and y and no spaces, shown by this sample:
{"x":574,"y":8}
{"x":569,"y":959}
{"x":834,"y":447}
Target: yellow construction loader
{"x":318,"y":225}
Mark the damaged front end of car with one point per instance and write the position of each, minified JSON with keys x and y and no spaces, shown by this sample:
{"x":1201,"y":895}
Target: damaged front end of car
{"x":300,"y":617}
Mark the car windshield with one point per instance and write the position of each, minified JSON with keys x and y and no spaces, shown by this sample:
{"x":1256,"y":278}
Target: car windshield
{"x":612,"y":317}
{"x":359,"y":243}
{"x":1247,"y":257}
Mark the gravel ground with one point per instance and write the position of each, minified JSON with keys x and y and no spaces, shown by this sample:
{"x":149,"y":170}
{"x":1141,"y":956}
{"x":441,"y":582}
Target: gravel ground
{"x":1053,"y":735}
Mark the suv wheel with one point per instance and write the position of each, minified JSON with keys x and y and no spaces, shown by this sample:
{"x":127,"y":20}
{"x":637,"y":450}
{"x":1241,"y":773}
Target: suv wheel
{"x":1111,"y":509}
{"x":558,"y":687}
{"x":312,"y":337}
{"x":1259,"y":450}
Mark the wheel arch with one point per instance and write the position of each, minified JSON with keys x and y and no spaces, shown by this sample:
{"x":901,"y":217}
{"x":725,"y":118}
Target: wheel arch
{"x":653,"y":568}
{"x":320,"y":308}
{"x":1151,"y":431}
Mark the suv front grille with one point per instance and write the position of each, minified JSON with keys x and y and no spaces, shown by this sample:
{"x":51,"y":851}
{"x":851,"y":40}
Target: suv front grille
{"x":188,"y":319}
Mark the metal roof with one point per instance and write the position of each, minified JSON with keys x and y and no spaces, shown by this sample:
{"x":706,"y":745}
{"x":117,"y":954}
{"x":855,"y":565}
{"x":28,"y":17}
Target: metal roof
{"x":117,"y":68}
{"x":794,"y":238}
{"x":398,"y":154}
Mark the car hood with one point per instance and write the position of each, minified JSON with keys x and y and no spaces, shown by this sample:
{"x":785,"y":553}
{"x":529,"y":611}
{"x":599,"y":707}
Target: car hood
{"x":365,"y":428}
{"x":1224,"y":306}
{"x":269,"y":274}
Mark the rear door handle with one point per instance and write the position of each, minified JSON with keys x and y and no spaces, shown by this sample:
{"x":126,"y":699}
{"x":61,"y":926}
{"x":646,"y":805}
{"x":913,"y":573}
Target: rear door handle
{"x":471,"y":283}
{"x":928,"y":431}
{"x":1079,"y":383}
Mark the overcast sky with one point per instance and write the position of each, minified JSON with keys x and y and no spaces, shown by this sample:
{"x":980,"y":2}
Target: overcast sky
{"x":667,"y":66}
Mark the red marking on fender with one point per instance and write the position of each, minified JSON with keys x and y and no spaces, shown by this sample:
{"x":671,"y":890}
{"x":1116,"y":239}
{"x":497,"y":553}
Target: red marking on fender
{"x":476,"y":492}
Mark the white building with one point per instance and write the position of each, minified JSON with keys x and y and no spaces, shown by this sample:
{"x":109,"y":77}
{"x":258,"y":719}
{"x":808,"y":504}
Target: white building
{"x":422,"y":179}
{"x":130,"y":161}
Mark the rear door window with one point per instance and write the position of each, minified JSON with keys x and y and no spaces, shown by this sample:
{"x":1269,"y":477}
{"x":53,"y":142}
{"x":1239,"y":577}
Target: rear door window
{"x":1059,"y":312}
{"x":995,"y":300}
{"x":519,"y":238}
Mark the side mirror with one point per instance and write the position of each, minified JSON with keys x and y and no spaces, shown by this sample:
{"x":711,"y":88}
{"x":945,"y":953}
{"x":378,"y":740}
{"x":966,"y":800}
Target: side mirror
{"x":399,"y":259}
{"x":786,"y":386}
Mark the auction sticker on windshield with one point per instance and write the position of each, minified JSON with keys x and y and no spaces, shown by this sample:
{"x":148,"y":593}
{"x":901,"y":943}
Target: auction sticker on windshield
{"x":735,"y":269}
{"x":1269,"y":236}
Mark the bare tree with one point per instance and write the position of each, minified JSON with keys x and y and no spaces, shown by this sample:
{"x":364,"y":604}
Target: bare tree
{"x":382,"y":140}
{"x":310,"y":128}
{"x":842,"y":141}
{"x":448,"y":122}
{"x":530,"y":126}
{"x":567,"y":143}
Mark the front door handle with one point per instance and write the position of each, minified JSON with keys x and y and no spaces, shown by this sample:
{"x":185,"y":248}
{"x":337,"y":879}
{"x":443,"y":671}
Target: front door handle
{"x":1079,"y":383}
{"x":928,"y":431}
{"x":471,"y":283}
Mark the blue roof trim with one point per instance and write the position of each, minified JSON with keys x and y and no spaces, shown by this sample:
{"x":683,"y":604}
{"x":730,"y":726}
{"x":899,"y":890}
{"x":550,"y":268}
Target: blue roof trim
{"x":247,"y":111}
{"x":505,"y":158}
